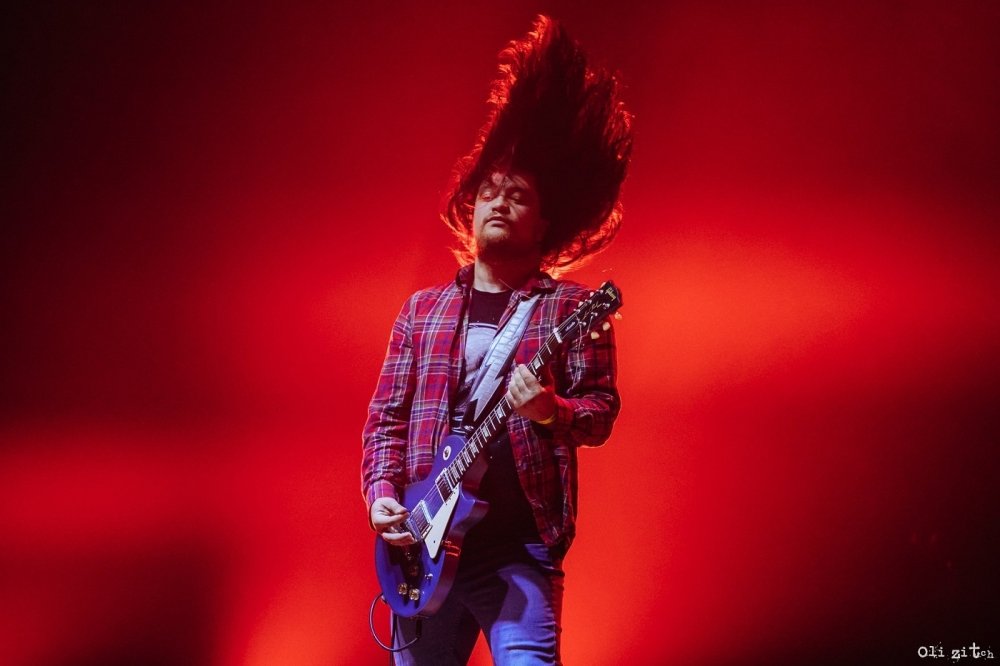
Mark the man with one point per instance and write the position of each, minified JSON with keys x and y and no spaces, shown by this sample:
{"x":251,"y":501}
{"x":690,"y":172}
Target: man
{"x":538,"y":191}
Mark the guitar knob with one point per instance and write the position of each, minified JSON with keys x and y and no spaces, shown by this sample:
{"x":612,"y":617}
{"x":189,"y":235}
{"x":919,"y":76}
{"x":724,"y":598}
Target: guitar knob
{"x":414,"y":594}
{"x":403,"y":590}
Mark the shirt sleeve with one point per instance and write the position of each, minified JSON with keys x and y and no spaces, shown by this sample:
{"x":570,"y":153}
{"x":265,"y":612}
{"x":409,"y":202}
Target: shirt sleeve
{"x":588,"y":405}
{"x":386,"y":430}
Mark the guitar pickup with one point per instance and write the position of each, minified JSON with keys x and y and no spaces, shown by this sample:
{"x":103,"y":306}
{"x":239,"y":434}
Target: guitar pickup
{"x":422,"y":507}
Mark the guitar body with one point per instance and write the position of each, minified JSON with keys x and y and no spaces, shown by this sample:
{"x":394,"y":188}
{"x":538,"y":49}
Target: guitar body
{"x":413,"y":582}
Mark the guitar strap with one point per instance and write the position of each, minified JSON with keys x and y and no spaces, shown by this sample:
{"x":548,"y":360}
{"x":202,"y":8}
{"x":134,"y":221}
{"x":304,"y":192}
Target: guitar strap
{"x":489,"y":380}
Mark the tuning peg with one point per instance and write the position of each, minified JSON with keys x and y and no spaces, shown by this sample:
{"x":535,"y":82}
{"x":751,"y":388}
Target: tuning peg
{"x":594,"y":335}
{"x":618,"y":316}
{"x":606,"y":326}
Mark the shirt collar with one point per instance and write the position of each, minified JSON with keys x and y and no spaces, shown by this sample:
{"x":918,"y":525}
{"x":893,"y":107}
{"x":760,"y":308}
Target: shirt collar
{"x":540,"y":282}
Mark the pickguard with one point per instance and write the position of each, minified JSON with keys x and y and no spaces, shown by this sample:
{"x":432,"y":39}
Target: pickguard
{"x":439,"y":524}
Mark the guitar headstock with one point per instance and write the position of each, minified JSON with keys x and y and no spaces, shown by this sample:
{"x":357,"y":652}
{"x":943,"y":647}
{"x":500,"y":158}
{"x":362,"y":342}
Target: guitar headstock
{"x":602,"y":303}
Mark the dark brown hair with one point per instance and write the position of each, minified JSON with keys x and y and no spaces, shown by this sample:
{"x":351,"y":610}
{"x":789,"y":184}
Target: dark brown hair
{"x":554,"y":117}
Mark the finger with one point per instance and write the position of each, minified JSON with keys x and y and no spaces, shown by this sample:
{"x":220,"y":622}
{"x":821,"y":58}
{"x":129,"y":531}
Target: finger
{"x":392,"y":506}
{"x":525,"y":374}
{"x":396,"y":539}
{"x":531,"y":382}
{"x":392,"y":521}
{"x":512,"y":399}
{"x":518,"y":396}
{"x":528,"y":380}
{"x":387,"y":512}
{"x":532,"y":388}
{"x":516,"y":386}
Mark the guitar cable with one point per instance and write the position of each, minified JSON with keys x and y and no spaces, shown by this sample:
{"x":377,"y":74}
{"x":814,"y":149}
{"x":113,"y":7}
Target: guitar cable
{"x":392,"y":621}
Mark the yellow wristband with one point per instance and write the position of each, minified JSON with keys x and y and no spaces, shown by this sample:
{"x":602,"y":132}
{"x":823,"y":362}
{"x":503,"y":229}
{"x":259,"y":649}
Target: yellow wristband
{"x":549,"y":420}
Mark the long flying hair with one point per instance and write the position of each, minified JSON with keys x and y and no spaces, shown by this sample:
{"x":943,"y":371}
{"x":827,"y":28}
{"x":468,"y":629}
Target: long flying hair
{"x":554,"y":117}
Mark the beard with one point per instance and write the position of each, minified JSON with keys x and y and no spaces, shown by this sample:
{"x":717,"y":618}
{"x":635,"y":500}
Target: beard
{"x":498,"y":246}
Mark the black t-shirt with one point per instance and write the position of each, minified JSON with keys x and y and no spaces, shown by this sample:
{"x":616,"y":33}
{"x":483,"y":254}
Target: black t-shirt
{"x":485,"y":311}
{"x":509,"y":518}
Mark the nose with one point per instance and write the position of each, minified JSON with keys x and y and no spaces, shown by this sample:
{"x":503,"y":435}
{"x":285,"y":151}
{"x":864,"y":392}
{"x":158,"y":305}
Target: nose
{"x":500,"y":204}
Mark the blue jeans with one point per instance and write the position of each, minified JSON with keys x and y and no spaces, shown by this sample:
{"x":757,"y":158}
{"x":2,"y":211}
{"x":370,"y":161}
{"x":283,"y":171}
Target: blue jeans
{"x":513,"y":595}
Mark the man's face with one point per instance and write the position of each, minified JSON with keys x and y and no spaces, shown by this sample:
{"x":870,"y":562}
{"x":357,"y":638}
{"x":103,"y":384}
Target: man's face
{"x":507,"y":220}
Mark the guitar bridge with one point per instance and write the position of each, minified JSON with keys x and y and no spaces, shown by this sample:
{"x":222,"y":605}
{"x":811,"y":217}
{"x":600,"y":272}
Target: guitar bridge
{"x":412,"y":529}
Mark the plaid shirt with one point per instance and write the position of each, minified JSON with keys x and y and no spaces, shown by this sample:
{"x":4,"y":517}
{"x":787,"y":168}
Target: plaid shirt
{"x":409,"y":412}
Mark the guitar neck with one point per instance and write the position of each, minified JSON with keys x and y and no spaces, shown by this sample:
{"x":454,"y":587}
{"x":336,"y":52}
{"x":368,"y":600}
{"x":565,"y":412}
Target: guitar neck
{"x":497,"y":418}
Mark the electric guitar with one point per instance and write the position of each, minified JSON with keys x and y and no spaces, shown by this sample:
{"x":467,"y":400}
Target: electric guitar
{"x":443,"y":507}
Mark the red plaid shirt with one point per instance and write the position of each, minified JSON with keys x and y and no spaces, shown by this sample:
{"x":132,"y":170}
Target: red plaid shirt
{"x":409,"y":412}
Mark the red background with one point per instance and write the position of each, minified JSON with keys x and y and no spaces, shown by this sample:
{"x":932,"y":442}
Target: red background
{"x":212,"y":213}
